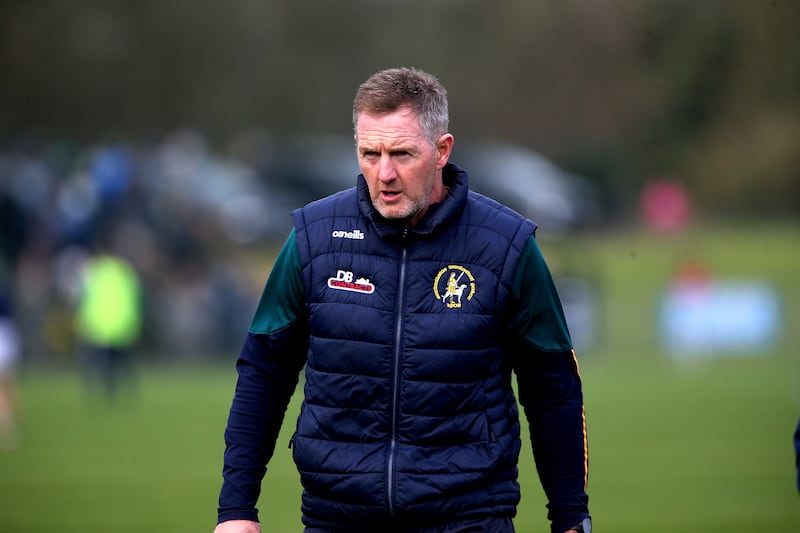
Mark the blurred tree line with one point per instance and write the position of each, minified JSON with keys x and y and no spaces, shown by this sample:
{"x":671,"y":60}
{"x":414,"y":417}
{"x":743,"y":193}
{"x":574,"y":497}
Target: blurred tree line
{"x":621,"y":91}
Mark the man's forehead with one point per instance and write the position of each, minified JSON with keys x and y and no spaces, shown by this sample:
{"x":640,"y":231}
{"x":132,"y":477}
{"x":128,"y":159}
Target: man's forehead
{"x":388,"y":134}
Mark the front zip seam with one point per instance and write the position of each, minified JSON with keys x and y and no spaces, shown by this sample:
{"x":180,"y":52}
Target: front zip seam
{"x":396,"y":383}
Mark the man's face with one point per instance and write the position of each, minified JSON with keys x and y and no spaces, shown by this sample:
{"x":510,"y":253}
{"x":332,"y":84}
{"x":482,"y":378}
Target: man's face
{"x":402,"y":168}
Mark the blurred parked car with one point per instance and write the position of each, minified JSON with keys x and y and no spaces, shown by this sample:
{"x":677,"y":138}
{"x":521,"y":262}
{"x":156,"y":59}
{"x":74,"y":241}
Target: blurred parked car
{"x":530,"y":184}
{"x":311,"y":167}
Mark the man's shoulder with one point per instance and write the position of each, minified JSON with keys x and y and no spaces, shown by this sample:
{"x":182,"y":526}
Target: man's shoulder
{"x":489,"y":212}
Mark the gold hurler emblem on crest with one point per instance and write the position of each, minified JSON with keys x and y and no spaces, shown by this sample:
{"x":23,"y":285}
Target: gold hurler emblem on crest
{"x":455,"y":286}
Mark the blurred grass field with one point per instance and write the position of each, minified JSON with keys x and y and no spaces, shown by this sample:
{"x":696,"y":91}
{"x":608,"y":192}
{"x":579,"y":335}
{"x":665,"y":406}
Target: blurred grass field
{"x":698,"y":447}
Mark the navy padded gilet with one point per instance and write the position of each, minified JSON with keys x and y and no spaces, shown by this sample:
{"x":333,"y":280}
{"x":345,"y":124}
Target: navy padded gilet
{"x":408,"y":412}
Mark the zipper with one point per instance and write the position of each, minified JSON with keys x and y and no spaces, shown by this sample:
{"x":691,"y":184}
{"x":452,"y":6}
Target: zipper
{"x":398,"y":336}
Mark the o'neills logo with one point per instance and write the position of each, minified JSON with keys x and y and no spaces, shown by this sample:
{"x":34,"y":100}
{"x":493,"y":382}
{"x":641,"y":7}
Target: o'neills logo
{"x":355,"y":234}
{"x":344,"y":282}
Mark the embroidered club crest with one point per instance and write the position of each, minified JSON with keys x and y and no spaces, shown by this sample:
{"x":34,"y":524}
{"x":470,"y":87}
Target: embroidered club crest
{"x":452,"y":285}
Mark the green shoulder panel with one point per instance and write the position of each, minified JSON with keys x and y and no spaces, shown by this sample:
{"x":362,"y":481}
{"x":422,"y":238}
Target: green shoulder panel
{"x":282,"y":301}
{"x":539,"y":317}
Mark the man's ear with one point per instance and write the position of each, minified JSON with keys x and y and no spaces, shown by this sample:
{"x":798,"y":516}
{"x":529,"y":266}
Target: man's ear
{"x":444,"y":146}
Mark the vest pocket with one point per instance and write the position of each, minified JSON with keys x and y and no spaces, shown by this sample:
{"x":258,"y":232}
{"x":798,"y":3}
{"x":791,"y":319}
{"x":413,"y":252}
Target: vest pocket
{"x":490,"y":439}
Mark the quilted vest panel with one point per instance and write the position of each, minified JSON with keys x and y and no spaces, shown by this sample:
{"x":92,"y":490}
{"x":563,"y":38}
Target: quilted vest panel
{"x":408,"y":407}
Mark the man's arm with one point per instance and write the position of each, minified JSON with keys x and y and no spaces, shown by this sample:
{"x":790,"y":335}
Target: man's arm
{"x":268,"y":367}
{"x":550,"y":392}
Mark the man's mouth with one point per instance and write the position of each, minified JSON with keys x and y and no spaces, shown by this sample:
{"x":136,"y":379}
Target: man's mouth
{"x":389,"y":195}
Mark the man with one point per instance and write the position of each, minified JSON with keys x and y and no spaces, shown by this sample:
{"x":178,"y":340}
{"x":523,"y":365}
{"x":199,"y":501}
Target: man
{"x":409,"y":421}
{"x":109,"y":318}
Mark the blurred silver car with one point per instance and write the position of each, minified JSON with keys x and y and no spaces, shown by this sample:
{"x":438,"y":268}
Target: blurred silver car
{"x":529,"y":183}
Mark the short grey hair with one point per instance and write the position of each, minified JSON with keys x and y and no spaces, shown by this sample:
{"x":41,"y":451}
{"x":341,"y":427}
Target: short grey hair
{"x":388,"y":90}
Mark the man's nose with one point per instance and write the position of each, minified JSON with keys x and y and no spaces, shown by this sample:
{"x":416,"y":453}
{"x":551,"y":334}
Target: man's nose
{"x":386,"y":169}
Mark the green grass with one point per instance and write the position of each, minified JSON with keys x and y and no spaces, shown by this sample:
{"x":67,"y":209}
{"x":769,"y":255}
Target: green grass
{"x":701,"y":447}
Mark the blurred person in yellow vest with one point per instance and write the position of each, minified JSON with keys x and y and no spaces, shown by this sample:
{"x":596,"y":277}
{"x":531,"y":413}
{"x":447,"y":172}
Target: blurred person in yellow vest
{"x":109,"y":319}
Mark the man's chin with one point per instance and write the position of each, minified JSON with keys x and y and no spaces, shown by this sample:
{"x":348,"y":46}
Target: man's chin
{"x":399,"y":213}
{"x":393,"y":212}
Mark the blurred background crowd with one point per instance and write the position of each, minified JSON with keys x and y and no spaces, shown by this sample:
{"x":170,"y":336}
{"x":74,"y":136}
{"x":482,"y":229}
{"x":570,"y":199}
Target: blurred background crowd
{"x":164,"y":209}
